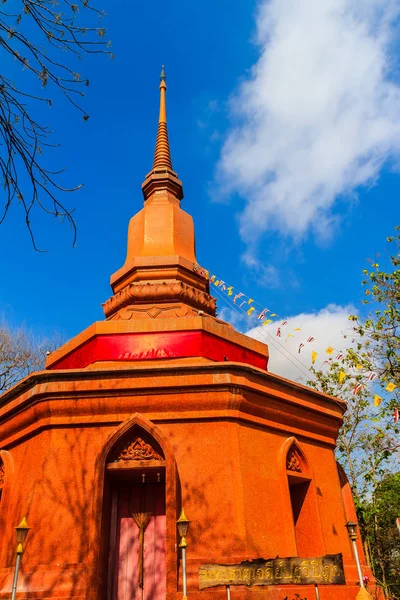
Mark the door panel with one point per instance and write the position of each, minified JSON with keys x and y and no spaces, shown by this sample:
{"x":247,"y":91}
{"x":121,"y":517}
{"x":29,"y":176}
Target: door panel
{"x":150,"y":498}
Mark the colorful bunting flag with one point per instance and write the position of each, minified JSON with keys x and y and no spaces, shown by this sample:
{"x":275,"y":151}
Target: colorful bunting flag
{"x":342,"y":377}
{"x":297,"y":329}
{"x":300,"y":347}
{"x":284,"y":323}
{"x":250,"y":300}
{"x":212,"y":278}
{"x":313,"y":356}
{"x":358,"y":366}
{"x":390,"y":387}
{"x":372,"y":376}
{"x":250,"y":310}
{"x":310,"y":339}
{"x":357,"y":389}
{"x":377,"y":400}
{"x":230,"y":290}
{"x":263,"y":314}
{"x":268,"y":321}
{"x":273,"y":315}
{"x":396,"y":415}
{"x":278,"y":332}
{"x":288,"y":336}
{"x":216,"y":282}
{"x":339,"y":356}
{"x":239,"y":295}
{"x":329,"y":350}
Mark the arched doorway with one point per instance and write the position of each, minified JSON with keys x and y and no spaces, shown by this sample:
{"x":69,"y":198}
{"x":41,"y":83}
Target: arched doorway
{"x":135,"y":475}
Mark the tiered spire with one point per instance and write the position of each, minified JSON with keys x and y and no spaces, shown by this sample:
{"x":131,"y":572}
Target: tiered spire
{"x":161,"y":175}
{"x":162,"y":154}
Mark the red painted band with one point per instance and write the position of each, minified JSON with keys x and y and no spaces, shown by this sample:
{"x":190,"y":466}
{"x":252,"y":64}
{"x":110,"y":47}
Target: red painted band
{"x":150,"y":346}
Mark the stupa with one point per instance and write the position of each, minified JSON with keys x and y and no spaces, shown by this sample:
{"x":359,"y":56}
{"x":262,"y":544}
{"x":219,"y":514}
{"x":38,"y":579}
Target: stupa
{"x":162,"y":407}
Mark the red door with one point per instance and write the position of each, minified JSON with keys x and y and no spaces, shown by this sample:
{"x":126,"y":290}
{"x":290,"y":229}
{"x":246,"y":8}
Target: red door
{"x":140,"y":504}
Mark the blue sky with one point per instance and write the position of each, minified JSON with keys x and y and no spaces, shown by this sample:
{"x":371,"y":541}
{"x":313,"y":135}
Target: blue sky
{"x":283,"y":128}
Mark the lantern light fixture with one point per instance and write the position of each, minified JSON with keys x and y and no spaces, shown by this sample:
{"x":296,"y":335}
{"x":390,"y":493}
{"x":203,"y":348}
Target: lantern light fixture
{"x":352,"y":530}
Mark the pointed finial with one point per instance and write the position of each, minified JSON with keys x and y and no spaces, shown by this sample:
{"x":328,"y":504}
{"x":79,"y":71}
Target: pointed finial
{"x":163,"y":76}
{"x":162,"y":155}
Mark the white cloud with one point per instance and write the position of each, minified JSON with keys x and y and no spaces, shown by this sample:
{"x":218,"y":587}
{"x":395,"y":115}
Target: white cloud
{"x":318,"y":115}
{"x":327,"y":327}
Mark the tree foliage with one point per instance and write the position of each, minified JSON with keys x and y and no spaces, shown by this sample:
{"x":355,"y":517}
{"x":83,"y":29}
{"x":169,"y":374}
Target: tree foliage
{"x":43,"y":37}
{"x":369,"y":441}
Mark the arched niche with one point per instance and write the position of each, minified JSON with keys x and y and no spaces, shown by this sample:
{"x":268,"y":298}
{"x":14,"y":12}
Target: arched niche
{"x":302,"y":501}
{"x":137,"y":476}
{"x":6,"y":483}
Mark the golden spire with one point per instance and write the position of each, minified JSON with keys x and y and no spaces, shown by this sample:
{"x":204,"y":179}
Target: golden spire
{"x":162,"y":154}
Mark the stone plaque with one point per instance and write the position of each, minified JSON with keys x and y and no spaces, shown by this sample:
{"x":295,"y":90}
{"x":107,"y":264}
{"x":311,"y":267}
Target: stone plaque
{"x":323,"y":570}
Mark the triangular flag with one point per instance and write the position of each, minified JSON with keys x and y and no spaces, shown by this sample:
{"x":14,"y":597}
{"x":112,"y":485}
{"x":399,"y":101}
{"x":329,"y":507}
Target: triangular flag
{"x":297,"y":329}
{"x":267,"y":321}
{"x":390,"y":387}
{"x":212,"y":278}
{"x":288,"y":336}
{"x":216,"y":282}
{"x":342,"y":377}
{"x":329,"y":350}
{"x":250,"y":300}
{"x":230,"y":290}
{"x":314,"y":356}
{"x":273,"y":315}
{"x":377,"y":400}
{"x":250,"y":310}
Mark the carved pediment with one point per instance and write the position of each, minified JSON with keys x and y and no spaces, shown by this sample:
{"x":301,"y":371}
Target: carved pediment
{"x":2,"y":474}
{"x":139,"y":449}
{"x":293,"y":462}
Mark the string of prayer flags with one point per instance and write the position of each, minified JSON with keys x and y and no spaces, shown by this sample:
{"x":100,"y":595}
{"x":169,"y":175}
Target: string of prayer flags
{"x":396,"y":415}
{"x":262,"y":313}
{"x":377,"y":400}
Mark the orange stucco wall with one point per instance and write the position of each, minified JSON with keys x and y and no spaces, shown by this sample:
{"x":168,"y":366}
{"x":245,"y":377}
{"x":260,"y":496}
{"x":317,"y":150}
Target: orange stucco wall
{"x":225,"y":430}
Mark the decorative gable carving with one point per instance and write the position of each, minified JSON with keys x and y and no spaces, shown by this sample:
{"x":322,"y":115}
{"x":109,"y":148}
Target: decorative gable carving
{"x":139,"y":449}
{"x":2,"y":474}
{"x":293,"y":462}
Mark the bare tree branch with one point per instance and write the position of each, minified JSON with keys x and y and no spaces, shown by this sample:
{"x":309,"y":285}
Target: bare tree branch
{"x":56,"y":30}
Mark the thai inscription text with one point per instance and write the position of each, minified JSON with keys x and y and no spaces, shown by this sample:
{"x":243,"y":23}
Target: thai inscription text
{"x":322,"y":570}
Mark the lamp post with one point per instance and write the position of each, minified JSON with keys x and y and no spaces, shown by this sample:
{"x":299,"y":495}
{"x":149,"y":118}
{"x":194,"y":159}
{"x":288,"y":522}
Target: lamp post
{"x":22,"y":531}
{"x":183,"y":526}
{"x":352,"y":531}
